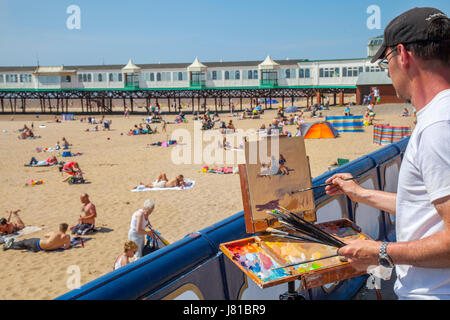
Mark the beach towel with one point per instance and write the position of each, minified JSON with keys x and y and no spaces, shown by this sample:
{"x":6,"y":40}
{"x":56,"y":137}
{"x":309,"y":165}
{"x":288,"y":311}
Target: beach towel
{"x":25,"y":231}
{"x":190,"y":185}
{"x":75,"y":242}
{"x":221,"y":170}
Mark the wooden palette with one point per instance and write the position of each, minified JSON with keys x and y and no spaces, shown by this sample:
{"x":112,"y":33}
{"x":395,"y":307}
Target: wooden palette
{"x":256,"y":256}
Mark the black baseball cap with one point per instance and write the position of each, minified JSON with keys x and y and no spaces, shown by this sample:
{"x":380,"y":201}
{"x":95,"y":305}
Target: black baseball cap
{"x":410,"y":26}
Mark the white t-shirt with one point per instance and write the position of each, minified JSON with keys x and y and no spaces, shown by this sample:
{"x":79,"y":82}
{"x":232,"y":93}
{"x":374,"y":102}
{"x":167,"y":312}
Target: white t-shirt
{"x":424,"y":177}
{"x":376,"y":93}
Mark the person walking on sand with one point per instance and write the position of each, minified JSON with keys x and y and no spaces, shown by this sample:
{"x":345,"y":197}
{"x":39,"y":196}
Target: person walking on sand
{"x":416,"y":51}
{"x":138,"y":225}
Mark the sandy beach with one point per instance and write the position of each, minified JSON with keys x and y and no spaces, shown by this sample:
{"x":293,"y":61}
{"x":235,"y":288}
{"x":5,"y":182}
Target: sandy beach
{"x":113,"y":165}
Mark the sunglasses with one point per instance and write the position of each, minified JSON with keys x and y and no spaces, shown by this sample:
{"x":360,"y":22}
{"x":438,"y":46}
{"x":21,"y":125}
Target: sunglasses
{"x":384,"y":64}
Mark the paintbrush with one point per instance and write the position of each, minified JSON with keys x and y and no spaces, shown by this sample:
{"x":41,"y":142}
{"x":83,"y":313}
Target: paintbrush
{"x":282,"y":234}
{"x":322,"y":234}
{"x":302,"y":226}
{"x":320,"y":185}
{"x":294,"y":225}
{"x":307,"y":261}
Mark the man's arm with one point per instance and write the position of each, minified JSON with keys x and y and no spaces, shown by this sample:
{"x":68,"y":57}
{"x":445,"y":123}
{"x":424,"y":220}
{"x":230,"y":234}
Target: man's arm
{"x":381,"y":200}
{"x":67,"y":242}
{"x":429,"y":252}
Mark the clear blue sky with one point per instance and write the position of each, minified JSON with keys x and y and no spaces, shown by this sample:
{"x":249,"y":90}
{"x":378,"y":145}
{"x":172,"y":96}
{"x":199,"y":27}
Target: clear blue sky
{"x":153,"y":31}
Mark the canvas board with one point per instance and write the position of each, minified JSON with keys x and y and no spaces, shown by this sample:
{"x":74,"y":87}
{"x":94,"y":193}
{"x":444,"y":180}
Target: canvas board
{"x":270,"y":180}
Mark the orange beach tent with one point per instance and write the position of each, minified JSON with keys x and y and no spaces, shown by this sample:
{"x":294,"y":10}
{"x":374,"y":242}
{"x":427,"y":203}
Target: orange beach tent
{"x":317,"y":130}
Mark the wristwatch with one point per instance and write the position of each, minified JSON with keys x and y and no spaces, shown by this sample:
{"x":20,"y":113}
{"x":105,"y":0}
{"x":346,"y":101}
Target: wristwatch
{"x":383,"y":257}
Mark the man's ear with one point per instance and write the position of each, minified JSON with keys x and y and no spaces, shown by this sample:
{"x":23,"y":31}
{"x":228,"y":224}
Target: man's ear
{"x":405,"y":56}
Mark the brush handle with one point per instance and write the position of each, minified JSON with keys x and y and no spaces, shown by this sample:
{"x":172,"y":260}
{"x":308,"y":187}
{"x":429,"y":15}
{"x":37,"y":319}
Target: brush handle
{"x":322,"y":232}
{"x":321,"y":185}
{"x":307,"y":261}
{"x":294,"y":237}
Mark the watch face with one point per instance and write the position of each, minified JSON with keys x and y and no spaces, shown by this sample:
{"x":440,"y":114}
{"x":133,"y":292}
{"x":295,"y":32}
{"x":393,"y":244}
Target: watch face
{"x":384,"y":262}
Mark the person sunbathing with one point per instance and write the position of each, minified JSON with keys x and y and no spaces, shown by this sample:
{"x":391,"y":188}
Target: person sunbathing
{"x":7,"y":227}
{"x":51,"y":161}
{"x":52,"y":241}
{"x":163,"y":182}
{"x":26,"y":133}
{"x":86,"y":222}
{"x":129,"y":250}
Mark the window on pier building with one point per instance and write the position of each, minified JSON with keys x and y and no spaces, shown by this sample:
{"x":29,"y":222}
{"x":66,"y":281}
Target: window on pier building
{"x":180,"y":76}
{"x":99,"y":77}
{"x":214,"y":75}
{"x":328,"y":72}
{"x":237,"y":75}
{"x":85,"y":77}
{"x":25,"y":78}
{"x":158,"y":76}
{"x":227,"y":75}
{"x":66,"y":79}
{"x":250,"y":74}
{"x":152,"y":76}
{"x":288,"y":73}
{"x":1,"y":78}
{"x":49,"y":79}
{"x":351,"y":71}
{"x":11,"y":78}
{"x":337,"y":72}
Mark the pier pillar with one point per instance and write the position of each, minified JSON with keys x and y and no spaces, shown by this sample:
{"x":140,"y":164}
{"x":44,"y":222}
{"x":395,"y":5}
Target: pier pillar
{"x":341,"y":98}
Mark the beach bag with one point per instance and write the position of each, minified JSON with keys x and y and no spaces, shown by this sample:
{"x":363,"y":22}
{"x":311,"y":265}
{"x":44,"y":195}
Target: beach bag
{"x":150,"y":246}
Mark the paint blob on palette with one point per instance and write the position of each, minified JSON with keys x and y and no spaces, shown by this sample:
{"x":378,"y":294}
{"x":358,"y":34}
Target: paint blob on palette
{"x":295,"y":252}
{"x":253,"y":258}
{"x":344,"y":232}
